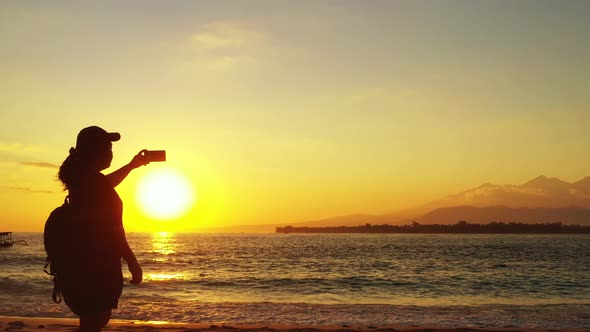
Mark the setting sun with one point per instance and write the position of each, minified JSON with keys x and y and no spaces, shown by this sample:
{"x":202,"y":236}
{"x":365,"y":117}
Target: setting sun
{"x":164,"y":193}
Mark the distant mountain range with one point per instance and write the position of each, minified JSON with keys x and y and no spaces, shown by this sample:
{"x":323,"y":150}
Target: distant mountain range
{"x":540,"y":200}
{"x":539,"y":192}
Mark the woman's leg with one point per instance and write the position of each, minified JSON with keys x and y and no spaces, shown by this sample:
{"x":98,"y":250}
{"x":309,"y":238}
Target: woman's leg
{"x":94,"y":322}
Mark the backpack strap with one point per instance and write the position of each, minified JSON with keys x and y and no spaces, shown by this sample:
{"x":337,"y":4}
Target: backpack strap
{"x":47,"y":262}
{"x":56,"y":294}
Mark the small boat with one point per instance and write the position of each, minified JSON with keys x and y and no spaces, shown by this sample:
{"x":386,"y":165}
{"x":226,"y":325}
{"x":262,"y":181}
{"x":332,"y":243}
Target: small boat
{"x":7,"y":241}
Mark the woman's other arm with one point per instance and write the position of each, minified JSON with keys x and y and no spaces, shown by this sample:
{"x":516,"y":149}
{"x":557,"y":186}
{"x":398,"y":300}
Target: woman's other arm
{"x":132,"y":264}
{"x":119,"y":175}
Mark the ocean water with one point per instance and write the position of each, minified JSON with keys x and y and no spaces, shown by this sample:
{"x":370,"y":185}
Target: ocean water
{"x":538,"y":281}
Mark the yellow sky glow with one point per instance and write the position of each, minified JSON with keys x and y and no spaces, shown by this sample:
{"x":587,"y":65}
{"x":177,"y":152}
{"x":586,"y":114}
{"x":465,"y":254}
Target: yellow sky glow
{"x":279,"y":113}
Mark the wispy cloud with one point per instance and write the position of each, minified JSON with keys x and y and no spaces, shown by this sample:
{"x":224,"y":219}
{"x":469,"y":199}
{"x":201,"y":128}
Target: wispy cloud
{"x":28,"y":189}
{"x":41,"y":164}
{"x":223,"y":45}
{"x":17,"y":147}
{"x":228,"y":36}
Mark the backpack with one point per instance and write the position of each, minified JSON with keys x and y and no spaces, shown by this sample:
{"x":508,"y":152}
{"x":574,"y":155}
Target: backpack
{"x":55,"y":239}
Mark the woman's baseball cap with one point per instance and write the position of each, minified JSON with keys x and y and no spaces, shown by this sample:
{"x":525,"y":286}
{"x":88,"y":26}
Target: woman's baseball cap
{"x":92,"y":137}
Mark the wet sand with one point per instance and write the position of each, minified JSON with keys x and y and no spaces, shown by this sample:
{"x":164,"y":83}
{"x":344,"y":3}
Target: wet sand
{"x":37,"y":324}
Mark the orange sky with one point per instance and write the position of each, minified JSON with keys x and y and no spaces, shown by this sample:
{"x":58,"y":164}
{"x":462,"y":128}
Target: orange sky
{"x":292,"y":111}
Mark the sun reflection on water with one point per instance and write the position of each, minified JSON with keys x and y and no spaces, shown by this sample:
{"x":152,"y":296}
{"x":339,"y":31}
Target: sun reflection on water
{"x":164,"y":276}
{"x":155,"y":322}
{"x":164,"y":243}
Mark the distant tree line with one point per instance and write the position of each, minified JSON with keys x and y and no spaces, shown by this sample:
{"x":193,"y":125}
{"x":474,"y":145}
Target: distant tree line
{"x":461,"y":227}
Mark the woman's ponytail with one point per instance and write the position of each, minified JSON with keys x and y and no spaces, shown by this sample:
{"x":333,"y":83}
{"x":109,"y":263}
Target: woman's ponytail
{"x":68,"y":168}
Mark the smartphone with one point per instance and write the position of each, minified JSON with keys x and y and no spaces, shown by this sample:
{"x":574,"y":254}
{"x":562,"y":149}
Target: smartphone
{"x":155,"y":155}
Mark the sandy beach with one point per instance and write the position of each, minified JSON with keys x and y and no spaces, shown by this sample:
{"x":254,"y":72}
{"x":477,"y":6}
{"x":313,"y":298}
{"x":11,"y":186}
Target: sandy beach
{"x":29,"y":324}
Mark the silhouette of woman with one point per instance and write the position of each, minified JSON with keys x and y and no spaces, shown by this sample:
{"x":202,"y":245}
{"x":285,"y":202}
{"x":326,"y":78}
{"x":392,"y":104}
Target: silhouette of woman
{"x":92,"y":283}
